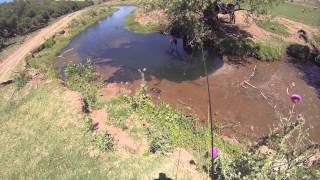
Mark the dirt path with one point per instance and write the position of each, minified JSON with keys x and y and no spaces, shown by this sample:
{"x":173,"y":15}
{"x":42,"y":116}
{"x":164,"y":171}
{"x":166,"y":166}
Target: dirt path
{"x":10,"y":62}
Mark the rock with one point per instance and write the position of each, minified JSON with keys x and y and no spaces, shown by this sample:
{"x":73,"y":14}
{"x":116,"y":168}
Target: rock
{"x":265,"y":150}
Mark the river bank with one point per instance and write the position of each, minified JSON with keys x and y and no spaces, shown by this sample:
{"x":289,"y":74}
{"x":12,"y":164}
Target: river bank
{"x":127,"y":135}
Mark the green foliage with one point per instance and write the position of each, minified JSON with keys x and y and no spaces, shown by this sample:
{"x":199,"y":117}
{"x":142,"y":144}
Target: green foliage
{"x":166,"y":127}
{"x":21,"y":80}
{"x":88,"y":126}
{"x":274,"y":27}
{"x":243,"y":48}
{"x":134,"y":26}
{"x":237,"y":47}
{"x":288,"y":148}
{"x":269,"y":51}
{"x":104,"y":141}
{"x":118,"y":112}
{"x":22,"y":17}
{"x":80,"y":77}
{"x":194,"y":20}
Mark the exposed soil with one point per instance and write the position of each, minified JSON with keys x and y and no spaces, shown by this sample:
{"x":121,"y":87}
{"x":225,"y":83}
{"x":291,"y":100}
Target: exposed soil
{"x":121,"y":137}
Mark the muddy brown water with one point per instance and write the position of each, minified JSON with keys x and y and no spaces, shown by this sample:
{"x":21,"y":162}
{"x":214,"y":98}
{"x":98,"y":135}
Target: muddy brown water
{"x":176,"y":78}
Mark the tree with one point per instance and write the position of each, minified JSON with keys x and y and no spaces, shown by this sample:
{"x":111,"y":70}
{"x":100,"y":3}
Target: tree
{"x":196,"y":20}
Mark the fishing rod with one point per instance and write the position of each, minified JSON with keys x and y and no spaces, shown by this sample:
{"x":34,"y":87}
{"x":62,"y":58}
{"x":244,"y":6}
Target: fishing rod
{"x":210,"y":116}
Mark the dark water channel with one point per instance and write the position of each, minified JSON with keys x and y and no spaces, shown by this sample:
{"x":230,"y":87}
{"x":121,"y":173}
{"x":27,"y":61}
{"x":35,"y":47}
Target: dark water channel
{"x":108,"y":44}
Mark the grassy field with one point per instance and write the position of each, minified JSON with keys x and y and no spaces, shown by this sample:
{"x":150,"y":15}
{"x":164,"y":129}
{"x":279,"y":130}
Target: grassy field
{"x":43,"y":136}
{"x":274,"y":27}
{"x":298,"y":13}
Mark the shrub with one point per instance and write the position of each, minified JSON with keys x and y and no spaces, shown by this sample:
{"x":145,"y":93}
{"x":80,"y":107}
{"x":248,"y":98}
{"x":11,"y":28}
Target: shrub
{"x":269,"y":51}
{"x":237,"y":47}
{"x":80,"y":77}
{"x":22,"y":79}
{"x":300,"y":53}
{"x":88,"y":126}
{"x":104,"y":141}
{"x":243,"y":48}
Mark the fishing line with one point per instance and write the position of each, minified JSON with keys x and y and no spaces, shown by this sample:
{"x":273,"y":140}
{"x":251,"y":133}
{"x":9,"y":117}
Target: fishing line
{"x":210,"y":117}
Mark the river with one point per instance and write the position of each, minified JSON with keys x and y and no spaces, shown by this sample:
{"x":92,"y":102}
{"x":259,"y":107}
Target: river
{"x":178,"y":79}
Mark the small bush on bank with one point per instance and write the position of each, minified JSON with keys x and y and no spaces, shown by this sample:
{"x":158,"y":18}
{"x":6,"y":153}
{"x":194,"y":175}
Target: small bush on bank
{"x":80,"y":77}
{"x":88,"y":126}
{"x":22,"y":79}
{"x":237,"y":47}
{"x":104,"y":141}
{"x":301,"y":54}
{"x":268,"y":51}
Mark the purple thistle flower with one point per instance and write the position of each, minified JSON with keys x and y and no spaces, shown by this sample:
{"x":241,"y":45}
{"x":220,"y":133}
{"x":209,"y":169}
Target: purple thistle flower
{"x":295,"y":98}
{"x":214,"y":152}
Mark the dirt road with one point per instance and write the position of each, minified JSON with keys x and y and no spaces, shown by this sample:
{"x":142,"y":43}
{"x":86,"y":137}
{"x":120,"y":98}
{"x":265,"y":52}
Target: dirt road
{"x":10,"y":62}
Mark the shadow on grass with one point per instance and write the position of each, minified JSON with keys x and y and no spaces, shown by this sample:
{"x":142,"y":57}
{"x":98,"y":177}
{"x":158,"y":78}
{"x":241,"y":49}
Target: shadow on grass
{"x":162,"y":176}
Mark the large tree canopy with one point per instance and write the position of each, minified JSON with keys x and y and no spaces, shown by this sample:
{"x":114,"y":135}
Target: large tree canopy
{"x":23,"y":16}
{"x":195,"y":20}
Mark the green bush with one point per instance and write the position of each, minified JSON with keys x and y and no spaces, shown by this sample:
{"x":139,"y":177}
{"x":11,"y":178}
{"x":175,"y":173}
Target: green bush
{"x":237,"y":47}
{"x":80,"y":77}
{"x":21,"y":80}
{"x":301,"y":53}
{"x":269,"y":51}
{"x":104,"y":141}
{"x":88,"y":126}
{"x":242,"y":48}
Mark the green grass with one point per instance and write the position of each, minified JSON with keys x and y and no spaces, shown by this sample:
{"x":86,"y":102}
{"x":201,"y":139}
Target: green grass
{"x":273,"y":50}
{"x":317,"y":39}
{"x":298,"y":13}
{"x":132,"y":25}
{"x":165,"y":127}
{"x":43,"y":136}
{"x":274,"y":27}
{"x":242,"y":48}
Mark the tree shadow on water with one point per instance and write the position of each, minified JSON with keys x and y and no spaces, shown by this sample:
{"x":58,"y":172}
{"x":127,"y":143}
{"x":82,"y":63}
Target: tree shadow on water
{"x":176,"y":70}
{"x":305,"y":59}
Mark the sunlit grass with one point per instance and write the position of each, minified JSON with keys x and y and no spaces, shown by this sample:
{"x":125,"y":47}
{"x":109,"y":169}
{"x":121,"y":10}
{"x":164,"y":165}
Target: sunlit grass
{"x":133,"y":25}
{"x":274,"y":27}
{"x":298,"y":13}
